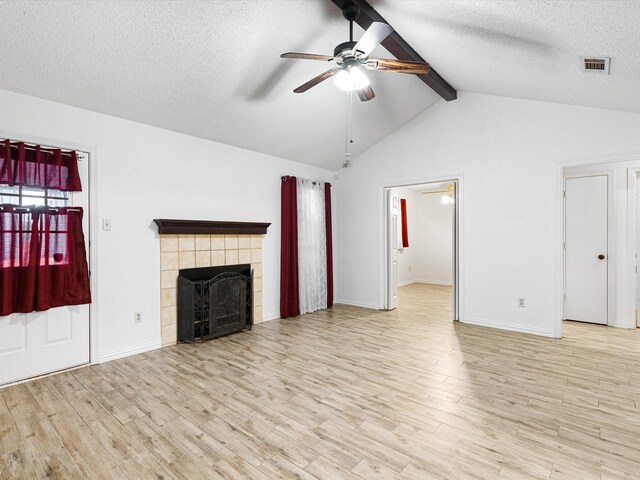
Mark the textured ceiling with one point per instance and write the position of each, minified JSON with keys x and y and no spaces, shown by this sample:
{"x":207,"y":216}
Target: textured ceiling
{"x":212,"y":68}
{"x":528,"y":49}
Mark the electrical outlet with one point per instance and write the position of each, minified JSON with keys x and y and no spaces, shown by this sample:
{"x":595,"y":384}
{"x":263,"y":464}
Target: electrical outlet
{"x":137,"y":317}
{"x":521,"y":302}
{"x":106,"y":224}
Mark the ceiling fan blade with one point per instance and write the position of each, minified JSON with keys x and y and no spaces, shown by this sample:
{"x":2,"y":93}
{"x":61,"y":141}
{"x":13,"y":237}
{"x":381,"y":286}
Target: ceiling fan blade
{"x":398,"y":66}
{"x":307,"y":56}
{"x":374,"y":35}
{"x":316,"y":80}
{"x":366,"y":93}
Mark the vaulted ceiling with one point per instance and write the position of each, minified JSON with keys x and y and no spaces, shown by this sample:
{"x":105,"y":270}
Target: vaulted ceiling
{"x":212,"y":69}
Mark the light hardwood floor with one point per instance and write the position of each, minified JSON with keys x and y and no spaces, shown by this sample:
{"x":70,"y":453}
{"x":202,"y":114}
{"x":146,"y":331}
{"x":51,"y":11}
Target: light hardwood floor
{"x":342,"y":394}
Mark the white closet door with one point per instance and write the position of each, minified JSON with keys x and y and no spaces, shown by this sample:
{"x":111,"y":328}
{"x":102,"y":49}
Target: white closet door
{"x":586,"y":255}
{"x":393,"y":245}
{"x":43,"y":342}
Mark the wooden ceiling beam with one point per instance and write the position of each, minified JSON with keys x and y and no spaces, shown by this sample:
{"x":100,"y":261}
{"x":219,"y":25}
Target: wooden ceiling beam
{"x":399,"y":48}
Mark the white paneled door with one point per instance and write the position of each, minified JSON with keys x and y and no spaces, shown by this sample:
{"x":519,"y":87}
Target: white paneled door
{"x":42,"y":342}
{"x":586,"y":249}
{"x":637,"y":194}
{"x":393,"y":244}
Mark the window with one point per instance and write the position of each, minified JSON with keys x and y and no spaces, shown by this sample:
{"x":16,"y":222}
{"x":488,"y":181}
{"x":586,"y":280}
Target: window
{"x":21,"y":230}
{"x":28,"y":196}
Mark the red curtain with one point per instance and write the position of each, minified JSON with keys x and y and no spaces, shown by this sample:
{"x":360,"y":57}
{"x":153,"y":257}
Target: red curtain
{"x":289,"y":306}
{"x":329,"y":231}
{"x":18,"y":254}
{"x":35,"y":167}
{"x":43,"y":261}
{"x":405,"y":229}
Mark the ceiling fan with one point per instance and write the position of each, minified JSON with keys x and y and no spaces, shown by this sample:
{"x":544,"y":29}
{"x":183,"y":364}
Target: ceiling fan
{"x":352,"y":58}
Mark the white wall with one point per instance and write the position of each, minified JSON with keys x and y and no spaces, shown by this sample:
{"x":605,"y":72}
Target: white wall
{"x":508,"y":152}
{"x":428,"y":259}
{"x":144,"y":173}
{"x":434,"y":240}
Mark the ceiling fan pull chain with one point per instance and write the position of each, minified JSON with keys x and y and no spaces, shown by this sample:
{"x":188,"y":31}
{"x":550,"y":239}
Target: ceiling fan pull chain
{"x":349,"y":131}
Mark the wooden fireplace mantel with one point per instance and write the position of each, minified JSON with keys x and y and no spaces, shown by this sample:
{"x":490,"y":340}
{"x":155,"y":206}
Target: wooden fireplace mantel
{"x":204,"y":227}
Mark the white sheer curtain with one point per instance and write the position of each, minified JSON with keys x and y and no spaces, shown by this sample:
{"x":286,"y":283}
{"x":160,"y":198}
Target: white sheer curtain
{"x":312,"y":246}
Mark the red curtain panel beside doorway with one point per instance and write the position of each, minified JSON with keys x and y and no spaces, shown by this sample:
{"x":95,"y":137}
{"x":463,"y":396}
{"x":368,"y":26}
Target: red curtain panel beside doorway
{"x":405,"y":229}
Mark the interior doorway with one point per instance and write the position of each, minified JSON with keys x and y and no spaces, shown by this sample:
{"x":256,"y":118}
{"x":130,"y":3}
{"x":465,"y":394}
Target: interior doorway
{"x":421,"y":242}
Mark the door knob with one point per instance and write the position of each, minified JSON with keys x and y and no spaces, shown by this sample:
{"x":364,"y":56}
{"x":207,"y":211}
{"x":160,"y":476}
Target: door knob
{"x":601,"y":257}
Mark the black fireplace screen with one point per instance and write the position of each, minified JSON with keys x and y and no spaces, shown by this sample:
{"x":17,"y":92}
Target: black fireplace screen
{"x":214,"y":301}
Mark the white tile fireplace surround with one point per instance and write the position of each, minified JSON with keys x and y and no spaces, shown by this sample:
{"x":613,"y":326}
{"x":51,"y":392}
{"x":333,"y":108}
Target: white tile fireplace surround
{"x":192,"y":250}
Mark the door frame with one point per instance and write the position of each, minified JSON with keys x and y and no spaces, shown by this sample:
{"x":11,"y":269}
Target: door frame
{"x":611,"y":256}
{"x":632,"y":235}
{"x":387,"y":247}
{"x":587,"y":162}
{"x":458,"y":230}
{"x":92,"y":172}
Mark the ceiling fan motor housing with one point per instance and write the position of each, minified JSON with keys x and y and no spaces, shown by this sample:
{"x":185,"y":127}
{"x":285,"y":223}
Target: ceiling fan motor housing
{"x":343,"y":48}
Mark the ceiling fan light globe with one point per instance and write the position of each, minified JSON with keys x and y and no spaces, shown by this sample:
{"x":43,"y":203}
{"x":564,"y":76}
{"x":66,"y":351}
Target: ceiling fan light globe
{"x":341,"y":80}
{"x":351,"y":79}
{"x":358,"y":79}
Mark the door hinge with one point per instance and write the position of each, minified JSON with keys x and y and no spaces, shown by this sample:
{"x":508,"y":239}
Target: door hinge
{"x":564,"y":245}
{"x":564,"y":194}
{"x":564,"y":297}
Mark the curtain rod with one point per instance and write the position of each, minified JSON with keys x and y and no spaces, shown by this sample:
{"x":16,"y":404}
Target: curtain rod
{"x":25,"y":209}
{"x":32,"y":146}
{"x":315,"y":182}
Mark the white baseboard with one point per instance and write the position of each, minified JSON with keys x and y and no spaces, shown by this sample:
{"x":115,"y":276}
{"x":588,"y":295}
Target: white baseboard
{"x":510,"y":327}
{"x":357,"y":304}
{"x":623,"y":325}
{"x":434,"y":282}
{"x":130,"y":351}
{"x":271,"y":316}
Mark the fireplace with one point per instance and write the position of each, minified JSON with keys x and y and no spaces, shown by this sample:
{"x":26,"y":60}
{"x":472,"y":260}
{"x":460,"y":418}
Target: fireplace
{"x":186,"y":244}
{"x":214,"y":301}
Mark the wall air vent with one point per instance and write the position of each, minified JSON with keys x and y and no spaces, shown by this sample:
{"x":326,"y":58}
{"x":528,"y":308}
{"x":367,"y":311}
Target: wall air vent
{"x":596,"y":64}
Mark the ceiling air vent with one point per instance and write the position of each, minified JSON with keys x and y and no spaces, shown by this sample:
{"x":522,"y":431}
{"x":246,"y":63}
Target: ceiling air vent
{"x":596,"y":64}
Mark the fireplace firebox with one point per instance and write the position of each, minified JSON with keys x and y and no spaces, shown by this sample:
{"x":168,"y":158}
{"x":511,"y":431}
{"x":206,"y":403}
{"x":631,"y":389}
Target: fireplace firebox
{"x":214,"y":301}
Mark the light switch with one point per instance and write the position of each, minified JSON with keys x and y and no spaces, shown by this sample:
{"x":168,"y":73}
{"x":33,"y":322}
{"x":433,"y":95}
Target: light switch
{"x":106,"y":224}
